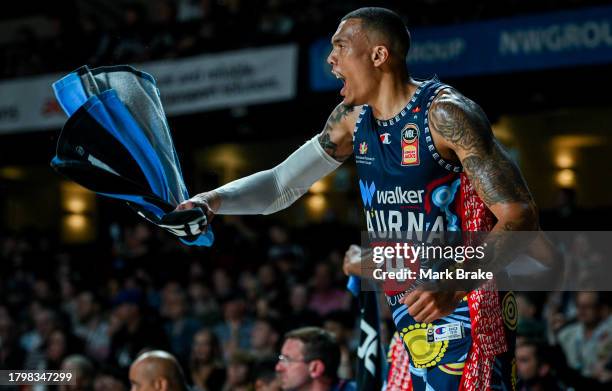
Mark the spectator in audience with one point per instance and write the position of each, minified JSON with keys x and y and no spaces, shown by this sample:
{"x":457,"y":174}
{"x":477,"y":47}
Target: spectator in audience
{"x":265,"y":337}
{"x":299,"y":313}
{"x":534,"y":368}
{"x":45,"y":321}
{"x":587,"y":342}
{"x":108,"y":382}
{"x":340,"y":325}
{"x":91,"y":327}
{"x":179,"y":327}
{"x":239,"y":372}
{"x":203,"y":304}
{"x":235,"y":330}
{"x":529,"y":324}
{"x":206,"y":362}
{"x":157,"y":370}
{"x":326,"y":296}
{"x":265,"y":376}
{"x":58,"y":346}
{"x":309,"y":360}
{"x":131,"y":331}
{"x":11,"y":354}
{"x":82,"y":371}
{"x":132,"y":46}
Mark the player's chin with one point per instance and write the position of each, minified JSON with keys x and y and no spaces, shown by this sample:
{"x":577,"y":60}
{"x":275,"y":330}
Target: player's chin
{"x":348,"y":101}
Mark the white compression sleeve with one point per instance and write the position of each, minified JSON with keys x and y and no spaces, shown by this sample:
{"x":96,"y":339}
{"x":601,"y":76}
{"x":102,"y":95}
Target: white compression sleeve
{"x":272,"y":190}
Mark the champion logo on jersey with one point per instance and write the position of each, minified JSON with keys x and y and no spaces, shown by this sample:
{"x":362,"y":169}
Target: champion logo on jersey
{"x":363,"y":148}
{"x":385,"y":138}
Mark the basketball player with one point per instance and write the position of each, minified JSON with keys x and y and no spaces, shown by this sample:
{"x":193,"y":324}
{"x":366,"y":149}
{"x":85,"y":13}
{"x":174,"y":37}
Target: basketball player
{"x":423,"y":152}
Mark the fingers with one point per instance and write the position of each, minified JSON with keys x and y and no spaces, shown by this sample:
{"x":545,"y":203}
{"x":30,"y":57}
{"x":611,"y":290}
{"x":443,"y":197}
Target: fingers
{"x":418,"y":300}
{"x":427,"y":314}
{"x":425,"y":306}
{"x":185,"y":205}
{"x":412,"y":297}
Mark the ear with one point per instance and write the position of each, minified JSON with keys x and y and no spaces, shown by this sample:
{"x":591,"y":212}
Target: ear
{"x":160,"y":384}
{"x":316,"y":368}
{"x":380,"y":54}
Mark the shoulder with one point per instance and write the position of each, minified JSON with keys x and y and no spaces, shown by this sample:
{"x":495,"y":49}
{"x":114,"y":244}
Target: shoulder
{"x":450,"y":106}
{"x":457,"y":118}
{"x":345,"y":116}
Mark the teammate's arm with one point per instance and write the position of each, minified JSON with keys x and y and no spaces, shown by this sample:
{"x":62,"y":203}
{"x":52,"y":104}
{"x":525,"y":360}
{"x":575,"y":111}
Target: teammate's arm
{"x":272,"y":190}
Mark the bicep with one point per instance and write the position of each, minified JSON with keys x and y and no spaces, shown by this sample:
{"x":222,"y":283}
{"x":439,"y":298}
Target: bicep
{"x":495,"y":177}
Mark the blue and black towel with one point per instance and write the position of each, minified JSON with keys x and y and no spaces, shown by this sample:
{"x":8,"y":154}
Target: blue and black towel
{"x":117,"y":143}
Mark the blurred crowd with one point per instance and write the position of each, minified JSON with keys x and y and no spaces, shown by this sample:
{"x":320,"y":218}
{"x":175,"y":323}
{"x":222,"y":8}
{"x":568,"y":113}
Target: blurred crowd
{"x":61,"y":36}
{"x":222,"y":312}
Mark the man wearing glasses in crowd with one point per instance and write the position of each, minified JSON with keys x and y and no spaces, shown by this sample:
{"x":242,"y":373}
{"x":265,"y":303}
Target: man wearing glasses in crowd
{"x":309,"y":360}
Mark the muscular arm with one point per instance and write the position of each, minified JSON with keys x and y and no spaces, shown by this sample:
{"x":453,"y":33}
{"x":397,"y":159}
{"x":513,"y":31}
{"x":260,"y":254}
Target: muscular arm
{"x":461,"y":127}
{"x":272,"y":190}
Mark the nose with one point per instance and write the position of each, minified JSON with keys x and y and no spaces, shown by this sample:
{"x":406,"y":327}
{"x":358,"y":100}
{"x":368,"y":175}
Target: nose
{"x":331,"y":58}
{"x":279,"y":367}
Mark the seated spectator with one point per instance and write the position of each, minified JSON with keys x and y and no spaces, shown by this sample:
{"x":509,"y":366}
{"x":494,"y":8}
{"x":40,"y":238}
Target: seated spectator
{"x":11,"y":354}
{"x":300,"y":315}
{"x":157,"y":370}
{"x":265,"y":337}
{"x":235,"y":330}
{"x":239,"y":372}
{"x":534,"y":368}
{"x":106,"y":382}
{"x":340,"y":325}
{"x":180,"y":328}
{"x":265,"y":376}
{"x":309,"y":360}
{"x":326,"y":296}
{"x":587,"y":342}
{"x":206,"y":362}
{"x":131,"y":331}
{"x":91,"y":327}
{"x":83,"y":371}
{"x":529,"y":323}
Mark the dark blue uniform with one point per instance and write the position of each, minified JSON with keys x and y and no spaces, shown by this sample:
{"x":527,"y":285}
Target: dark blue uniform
{"x":411,"y":192}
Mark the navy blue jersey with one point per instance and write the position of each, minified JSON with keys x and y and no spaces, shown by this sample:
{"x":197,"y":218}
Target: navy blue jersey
{"x":406,"y":186}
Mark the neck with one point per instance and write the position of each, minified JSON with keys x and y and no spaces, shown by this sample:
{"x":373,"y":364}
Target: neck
{"x":394,"y":92}
{"x":320,"y":385}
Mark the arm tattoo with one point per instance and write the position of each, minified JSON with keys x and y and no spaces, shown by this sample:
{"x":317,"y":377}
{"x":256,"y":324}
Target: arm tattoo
{"x":496,"y":177}
{"x":325,"y":137}
{"x":492,"y":172}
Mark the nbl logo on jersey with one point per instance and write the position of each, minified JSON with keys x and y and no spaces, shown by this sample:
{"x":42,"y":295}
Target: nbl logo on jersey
{"x":410,"y":145}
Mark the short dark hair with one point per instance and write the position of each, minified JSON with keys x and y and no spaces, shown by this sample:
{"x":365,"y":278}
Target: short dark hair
{"x":319,"y":344}
{"x":387,"y":23}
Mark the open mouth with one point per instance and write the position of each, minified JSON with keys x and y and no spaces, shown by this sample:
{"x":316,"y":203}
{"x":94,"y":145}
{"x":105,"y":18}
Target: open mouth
{"x":342,"y":78}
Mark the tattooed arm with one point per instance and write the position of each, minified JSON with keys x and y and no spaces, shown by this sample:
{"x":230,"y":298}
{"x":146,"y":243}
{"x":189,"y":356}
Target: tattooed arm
{"x":461,"y":131}
{"x":461,"y":127}
{"x":465,"y":130}
{"x":272,"y":190}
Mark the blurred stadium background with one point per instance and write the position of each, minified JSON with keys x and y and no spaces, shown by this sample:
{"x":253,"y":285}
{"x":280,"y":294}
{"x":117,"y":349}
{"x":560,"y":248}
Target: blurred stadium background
{"x":244,"y":83}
